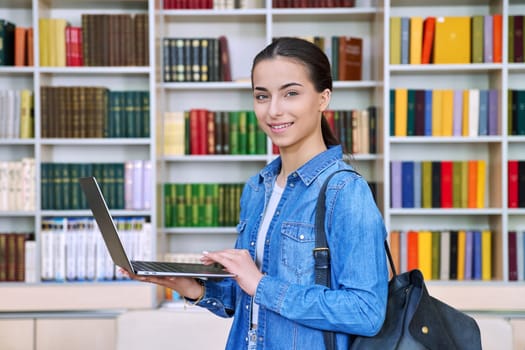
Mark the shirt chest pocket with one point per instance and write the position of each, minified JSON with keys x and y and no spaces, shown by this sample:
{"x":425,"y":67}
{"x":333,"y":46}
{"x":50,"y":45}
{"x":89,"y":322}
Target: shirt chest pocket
{"x":298,"y":241}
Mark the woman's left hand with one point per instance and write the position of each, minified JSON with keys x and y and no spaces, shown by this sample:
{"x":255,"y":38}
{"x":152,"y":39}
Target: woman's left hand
{"x":238,"y":262}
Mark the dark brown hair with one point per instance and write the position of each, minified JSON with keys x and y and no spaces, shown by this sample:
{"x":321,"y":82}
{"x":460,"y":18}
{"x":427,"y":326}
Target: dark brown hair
{"x":315,"y":61}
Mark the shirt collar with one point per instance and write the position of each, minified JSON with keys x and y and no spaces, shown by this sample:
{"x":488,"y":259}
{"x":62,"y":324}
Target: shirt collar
{"x":308,"y":171}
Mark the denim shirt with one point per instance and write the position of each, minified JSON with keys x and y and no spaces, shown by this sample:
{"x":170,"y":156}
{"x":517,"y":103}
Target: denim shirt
{"x":293,"y":310}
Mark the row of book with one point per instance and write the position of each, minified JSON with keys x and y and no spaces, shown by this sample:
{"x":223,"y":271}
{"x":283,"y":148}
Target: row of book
{"x":93,"y":112}
{"x":444,"y":112}
{"x":16,"y":47}
{"x":516,"y":253}
{"x":201,"y":204}
{"x":312,"y":3}
{"x":516,"y":116}
{"x":201,"y":131}
{"x":445,"y":40}
{"x":212,"y":4}
{"x":196,"y":59}
{"x":124,"y":185}
{"x":101,"y":40}
{"x":438,"y":184}
{"x":445,"y":254}
{"x":73,"y":248}
{"x":17,"y":185}
{"x":355,"y":129}
{"x":14,"y":251}
{"x":516,"y":183}
{"x":16,"y":114}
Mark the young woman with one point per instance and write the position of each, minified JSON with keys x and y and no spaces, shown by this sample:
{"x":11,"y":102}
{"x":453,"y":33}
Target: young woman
{"x":273,"y":298}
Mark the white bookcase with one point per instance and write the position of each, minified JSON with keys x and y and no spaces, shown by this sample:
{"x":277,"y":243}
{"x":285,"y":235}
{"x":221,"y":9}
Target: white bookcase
{"x":248,"y":31}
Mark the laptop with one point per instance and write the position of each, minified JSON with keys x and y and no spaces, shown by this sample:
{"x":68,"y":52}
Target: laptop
{"x":107,"y":227}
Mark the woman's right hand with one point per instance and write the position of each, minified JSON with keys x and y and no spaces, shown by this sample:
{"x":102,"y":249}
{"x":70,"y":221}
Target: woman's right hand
{"x":185,"y":286}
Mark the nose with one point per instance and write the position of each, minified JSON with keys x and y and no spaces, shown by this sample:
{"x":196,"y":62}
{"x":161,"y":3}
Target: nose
{"x":275,"y":107}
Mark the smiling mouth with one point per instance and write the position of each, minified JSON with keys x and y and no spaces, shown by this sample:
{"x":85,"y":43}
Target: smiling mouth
{"x":280,"y":126}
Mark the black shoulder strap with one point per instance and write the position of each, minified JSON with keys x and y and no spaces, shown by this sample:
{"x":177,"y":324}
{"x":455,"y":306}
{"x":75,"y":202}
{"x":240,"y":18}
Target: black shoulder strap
{"x":322,"y":252}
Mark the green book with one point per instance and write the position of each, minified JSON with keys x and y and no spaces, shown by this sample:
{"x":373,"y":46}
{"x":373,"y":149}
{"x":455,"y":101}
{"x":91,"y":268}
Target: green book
{"x":208,"y":216}
{"x":168,"y":204}
{"x":426,"y":179}
{"x":252,"y":132}
{"x":477,"y":39}
{"x":75,"y":190}
{"x":464,"y":184}
{"x":188,"y":203}
{"x":145,"y":114}
{"x":129,"y":112}
{"x":233,"y":132}
{"x":456,"y":184}
{"x":119,"y":186}
{"x":243,"y":132}
{"x":436,"y":254}
{"x":335,"y":58}
{"x":179,"y":202}
{"x":46,"y":185}
{"x":221,"y":218}
{"x":510,"y":112}
{"x":58,"y":199}
{"x":411,"y":112}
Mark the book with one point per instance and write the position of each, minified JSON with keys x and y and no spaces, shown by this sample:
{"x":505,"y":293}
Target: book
{"x":351,"y":58}
{"x":416,"y":39}
{"x":477,"y":43}
{"x":225,"y":64}
{"x":472,"y":184}
{"x":446,"y":184}
{"x":428,"y":40}
{"x":521,"y":184}
{"x":481,"y":183}
{"x":447,"y":112}
{"x":424,"y":253}
{"x":512,"y":256}
{"x":488,"y":39}
{"x":437,"y":112}
{"x":452,"y":40}
{"x":497,"y":30}
{"x":412,"y":250}
{"x":405,"y":40}
{"x":401,"y":110}
{"x":426,"y":184}
{"x":453,"y":256}
{"x":396,"y":181}
{"x":486,"y":255}
{"x":395,"y":40}
{"x":436,"y":254}
{"x":407,"y":173}
{"x":444,"y":260}
{"x":512,"y":192}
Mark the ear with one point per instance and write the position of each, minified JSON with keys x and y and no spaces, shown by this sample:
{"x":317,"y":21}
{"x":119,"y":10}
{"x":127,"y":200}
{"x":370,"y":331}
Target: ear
{"x":324,"y":99}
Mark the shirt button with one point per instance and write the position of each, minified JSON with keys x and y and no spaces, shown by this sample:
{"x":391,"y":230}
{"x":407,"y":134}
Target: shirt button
{"x":267,"y":241}
{"x":292,"y":185}
{"x":301,"y":237}
{"x":214,"y":304}
{"x":294,"y":174}
{"x":247,"y":307}
{"x":277,"y":212}
{"x":252,"y":243}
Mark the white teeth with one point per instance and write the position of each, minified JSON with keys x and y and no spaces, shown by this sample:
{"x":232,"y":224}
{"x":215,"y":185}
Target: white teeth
{"x":281,"y":126}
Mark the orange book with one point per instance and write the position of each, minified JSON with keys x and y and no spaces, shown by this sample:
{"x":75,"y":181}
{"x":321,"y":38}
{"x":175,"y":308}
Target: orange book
{"x":465,"y":114}
{"x":412,"y":250}
{"x":481,"y":182}
{"x":429,"y":25}
{"x":30,"y":42}
{"x":395,"y":249}
{"x":20,"y":46}
{"x":497,"y":37}
{"x":400,"y":116}
{"x":472,"y":201}
{"x":462,"y":239}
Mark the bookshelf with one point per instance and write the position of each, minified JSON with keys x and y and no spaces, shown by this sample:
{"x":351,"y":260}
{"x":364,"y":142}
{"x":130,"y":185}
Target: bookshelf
{"x":248,"y":30}
{"x":92,"y":295}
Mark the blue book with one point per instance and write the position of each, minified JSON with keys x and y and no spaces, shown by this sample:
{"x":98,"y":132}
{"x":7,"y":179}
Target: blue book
{"x":483,"y":113}
{"x":476,"y":255}
{"x":493,"y":112}
{"x":407,"y":174}
{"x":468,"y":255}
{"x":395,"y":184}
{"x":405,"y":40}
{"x":418,"y":185}
{"x":428,"y":113}
{"x":457,"y":117}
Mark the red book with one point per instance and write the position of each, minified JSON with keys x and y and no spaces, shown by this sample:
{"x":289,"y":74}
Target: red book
{"x":513,"y":258}
{"x":350,"y":58}
{"x":429,"y":25}
{"x":513,"y":183}
{"x":69,"y":46}
{"x":225,"y":59}
{"x":202,"y":134}
{"x":518,"y":39}
{"x":497,"y":37}
{"x":412,"y":257}
{"x":194,"y":131}
{"x":446,"y":184}
{"x":30,"y":56}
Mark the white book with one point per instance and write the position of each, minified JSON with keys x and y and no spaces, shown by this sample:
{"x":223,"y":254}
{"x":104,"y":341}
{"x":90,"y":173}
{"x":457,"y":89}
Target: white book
{"x":3,"y":115}
{"x":47,"y":251}
{"x":128,"y":184}
{"x":519,"y":255}
{"x":17,"y":113}
{"x":81,"y":249}
{"x":145,"y":248}
{"x":71,"y":249}
{"x":403,"y":251}
{"x":28,"y":184}
{"x":59,"y":248}
{"x":91,"y":249}
{"x":444,"y":260}
{"x":473,"y":112}
{"x":146,"y":185}
{"x":10,"y":113}
{"x":4,"y":183}
{"x":137,"y":184}
{"x":364,"y":130}
{"x":30,"y":262}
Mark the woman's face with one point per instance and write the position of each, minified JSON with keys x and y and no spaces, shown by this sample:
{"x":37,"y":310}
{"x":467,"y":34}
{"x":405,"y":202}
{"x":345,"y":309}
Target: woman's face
{"x":287,"y":106}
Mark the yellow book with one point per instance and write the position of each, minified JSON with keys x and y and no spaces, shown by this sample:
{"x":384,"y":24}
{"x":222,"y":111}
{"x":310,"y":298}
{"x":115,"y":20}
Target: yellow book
{"x":481,"y":182}
{"x":424,"y":253}
{"x":437,"y":112}
{"x":58,"y":55}
{"x":465,"y":114}
{"x":416,"y":39}
{"x":447,"y":112}
{"x":174,"y":133}
{"x":395,"y":40}
{"x":462,"y":240}
{"x":44,"y":27}
{"x":401,"y":109}
{"x":426,"y":179}
{"x":486,"y":255}
{"x":452,"y":40}
{"x":26,"y":121}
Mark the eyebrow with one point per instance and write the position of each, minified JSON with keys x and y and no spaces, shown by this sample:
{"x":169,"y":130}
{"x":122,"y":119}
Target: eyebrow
{"x":260,"y":88}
